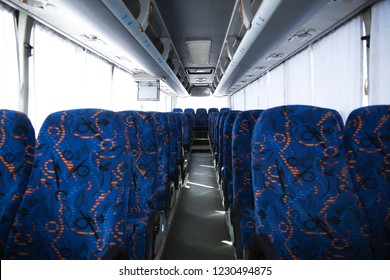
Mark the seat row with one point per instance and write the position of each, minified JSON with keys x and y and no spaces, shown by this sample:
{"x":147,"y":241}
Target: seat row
{"x":99,"y":184}
{"x":297,"y":183}
{"x":201,"y":116}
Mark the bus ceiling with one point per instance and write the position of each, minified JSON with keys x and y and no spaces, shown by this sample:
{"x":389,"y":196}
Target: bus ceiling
{"x":196,"y":47}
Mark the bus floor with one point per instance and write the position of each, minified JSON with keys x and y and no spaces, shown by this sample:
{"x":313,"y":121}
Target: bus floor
{"x":198,"y":230}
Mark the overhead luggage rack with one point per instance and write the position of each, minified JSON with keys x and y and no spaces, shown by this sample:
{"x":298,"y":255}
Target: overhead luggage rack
{"x":145,"y":24}
{"x":263,"y":35}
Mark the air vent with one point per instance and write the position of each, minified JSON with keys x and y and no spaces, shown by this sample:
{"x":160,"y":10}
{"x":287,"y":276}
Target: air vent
{"x":199,"y":51}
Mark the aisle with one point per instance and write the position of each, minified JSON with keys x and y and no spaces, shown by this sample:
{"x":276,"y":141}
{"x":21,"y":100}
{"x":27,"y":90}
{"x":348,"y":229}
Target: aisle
{"x":198,"y":230}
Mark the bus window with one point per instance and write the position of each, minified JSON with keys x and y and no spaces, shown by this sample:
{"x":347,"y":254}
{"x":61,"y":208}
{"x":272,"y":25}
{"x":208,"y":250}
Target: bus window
{"x":9,"y":75}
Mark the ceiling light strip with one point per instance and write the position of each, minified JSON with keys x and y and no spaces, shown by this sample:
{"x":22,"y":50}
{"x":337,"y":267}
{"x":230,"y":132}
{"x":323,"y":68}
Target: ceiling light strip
{"x":122,"y":13}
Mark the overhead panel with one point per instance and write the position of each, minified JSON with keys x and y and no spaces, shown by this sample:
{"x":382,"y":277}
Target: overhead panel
{"x":199,"y":51}
{"x":278,"y":30}
{"x":175,"y":76}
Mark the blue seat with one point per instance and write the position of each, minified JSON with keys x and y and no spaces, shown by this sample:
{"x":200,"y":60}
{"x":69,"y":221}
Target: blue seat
{"x":177,"y":110}
{"x":211,"y":130}
{"x":174,"y":164}
{"x":17,"y":143}
{"x":226,"y":170}
{"x":75,"y":204}
{"x":224,"y":109}
{"x":201,"y":119}
{"x":165,"y":199}
{"x":146,"y":186}
{"x":212,"y":110}
{"x":180,"y":151}
{"x":188,"y":135}
{"x":305,"y":203}
{"x":240,"y":191}
{"x":215,"y":142}
{"x":189,"y":111}
{"x":219,"y":144}
{"x":367,"y":140}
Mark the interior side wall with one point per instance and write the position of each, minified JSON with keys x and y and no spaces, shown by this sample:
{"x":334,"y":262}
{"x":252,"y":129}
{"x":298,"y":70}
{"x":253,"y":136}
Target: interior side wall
{"x":329,"y":73}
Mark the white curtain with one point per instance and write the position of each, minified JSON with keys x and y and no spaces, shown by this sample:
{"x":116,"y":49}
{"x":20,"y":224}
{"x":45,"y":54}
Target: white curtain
{"x":97,"y":89}
{"x":57,"y":76}
{"x":276,"y":87}
{"x":337,"y":69}
{"x":327,"y":74}
{"x":263,"y":92}
{"x":252,"y":96}
{"x":124,"y":91}
{"x":298,"y":79}
{"x":238,"y":100}
{"x":380,"y":54}
{"x":9,"y":68}
{"x":165,"y":103}
{"x":64,"y":76}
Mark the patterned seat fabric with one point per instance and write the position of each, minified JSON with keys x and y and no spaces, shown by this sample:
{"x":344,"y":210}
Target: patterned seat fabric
{"x":201,"y":120}
{"x":219,"y":141}
{"x":212,"y":110}
{"x":187,"y":131}
{"x":240,"y":192}
{"x":76,"y":201}
{"x":17,"y":142}
{"x":173,"y":154}
{"x":179,"y":132}
{"x":191,"y":120}
{"x":367,"y":138}
{"x":304,"y":198}
{"x":227,"y":155}
{"x":212,"y":128}
{"x":216,"y":135}
{"x":189,"y":111}
{"x":145,"y":186}
{"x":164,"y":185}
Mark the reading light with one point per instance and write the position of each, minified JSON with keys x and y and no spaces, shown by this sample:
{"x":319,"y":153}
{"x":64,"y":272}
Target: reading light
{"x":302,"y":35}
{"x":275,"y":56}
{"x":259,"y":68}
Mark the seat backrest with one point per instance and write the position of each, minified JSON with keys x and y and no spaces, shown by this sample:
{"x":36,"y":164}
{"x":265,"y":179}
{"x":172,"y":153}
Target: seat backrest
{"x":367,"y":141}
{"x":221,"y":122}
{"x":17,"y":143}
{"x":75,"y":203}
{"x":304,"y":197}
{"x":143,"y":142}
{"x":213,"y":118}
{"x":179,"y":131}
{"x":189,"y":111}
{"x":212,"y":110}
{"x":163,"y":150}
{"x":177,"y":110}
{"x":201,"y":118}
{"x":225,"y":109}
{"x":227,"y":145}
{"x":191,"y":119}
{"x":187,"y":131}
{"x":173,"y":142}
{"x":242,"y":192}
